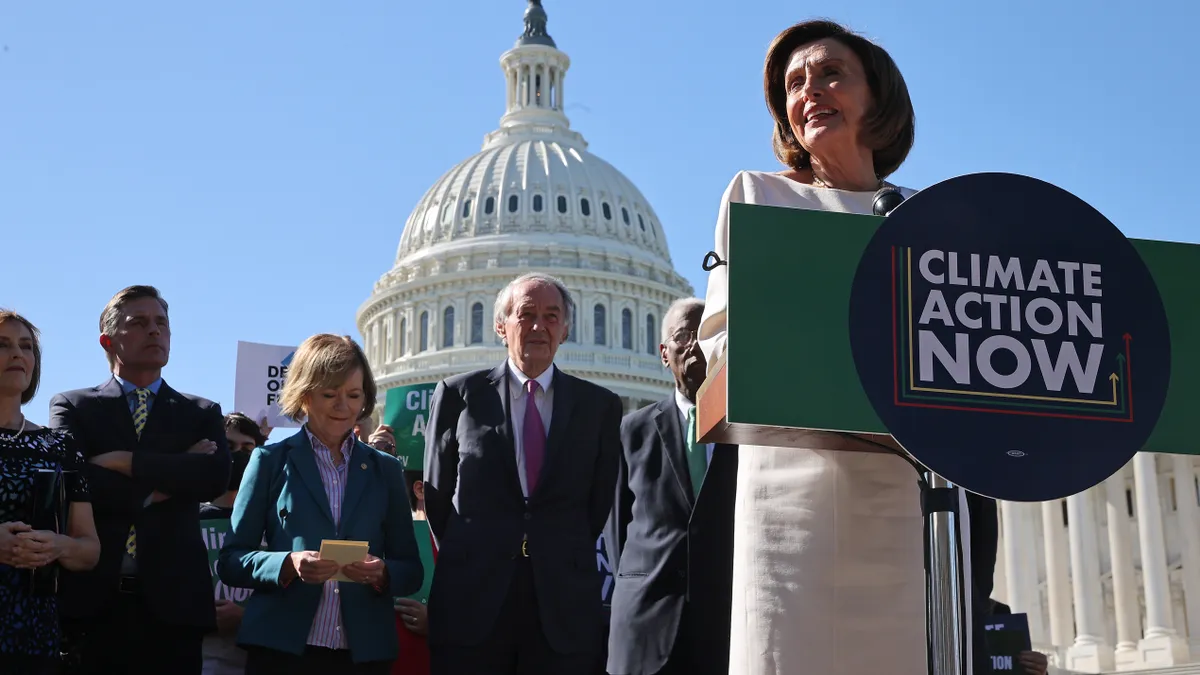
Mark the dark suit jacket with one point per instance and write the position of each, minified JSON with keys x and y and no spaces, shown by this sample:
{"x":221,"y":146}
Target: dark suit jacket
{"x":283,"y":501}
{"x":672,"y":553}
{"x":478,"y":514}
{"x":172,"y":559}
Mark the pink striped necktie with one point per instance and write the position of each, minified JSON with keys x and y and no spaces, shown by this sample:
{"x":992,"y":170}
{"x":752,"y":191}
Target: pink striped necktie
{"x":533,"y":436}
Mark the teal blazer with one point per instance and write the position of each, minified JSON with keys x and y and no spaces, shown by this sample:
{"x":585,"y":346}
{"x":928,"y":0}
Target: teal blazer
{"x":282,"y":503}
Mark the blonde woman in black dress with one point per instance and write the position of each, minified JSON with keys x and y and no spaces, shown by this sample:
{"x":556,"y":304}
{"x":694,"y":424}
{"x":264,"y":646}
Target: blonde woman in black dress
{"x":29,"y":642}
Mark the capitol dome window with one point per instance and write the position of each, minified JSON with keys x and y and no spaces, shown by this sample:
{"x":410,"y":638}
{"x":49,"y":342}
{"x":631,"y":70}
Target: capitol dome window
{"x":626,"y":329}
{"x":512,"y":204}
{"x":466,"y":209}
{"x":423,"y":343}
{"x":403,"y":337}
{"x":641,"y":223}
{"x":537,"y":203}
{"x":448,"y":327}
{"x":625,"y":215}
{"x":489,"y":206}
{"x":573,"y":331}
{"x":651,"y":347}
{"x":584,"y":207}
{"x":477,"y":323}
{"x":562,"y":204}
{"x":600,"y":324}
{"x":607,"y":211}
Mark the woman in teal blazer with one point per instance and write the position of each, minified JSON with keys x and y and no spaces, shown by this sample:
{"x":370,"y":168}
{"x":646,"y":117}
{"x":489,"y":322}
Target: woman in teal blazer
{"x":321,"y":483}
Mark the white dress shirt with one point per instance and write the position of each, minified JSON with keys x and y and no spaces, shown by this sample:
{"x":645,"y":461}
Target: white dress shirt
{"x":684,"y":406}
{"x":519,"y":398}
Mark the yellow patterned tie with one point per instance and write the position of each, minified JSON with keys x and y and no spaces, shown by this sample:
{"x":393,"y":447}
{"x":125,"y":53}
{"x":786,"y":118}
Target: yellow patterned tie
{"x":140,"y":413}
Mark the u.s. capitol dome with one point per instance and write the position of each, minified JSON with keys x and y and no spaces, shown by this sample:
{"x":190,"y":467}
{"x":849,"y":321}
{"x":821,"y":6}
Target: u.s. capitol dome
{"x":534,"y":198}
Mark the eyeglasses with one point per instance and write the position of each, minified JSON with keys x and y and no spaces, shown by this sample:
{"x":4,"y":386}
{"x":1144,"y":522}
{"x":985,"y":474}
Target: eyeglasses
{"x":684,"y":338}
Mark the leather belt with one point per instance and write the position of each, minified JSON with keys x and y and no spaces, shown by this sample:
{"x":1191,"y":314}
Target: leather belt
{"x":128,"y":585}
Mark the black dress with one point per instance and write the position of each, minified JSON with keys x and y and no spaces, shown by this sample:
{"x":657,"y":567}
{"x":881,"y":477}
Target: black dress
{"x":29,"y":629}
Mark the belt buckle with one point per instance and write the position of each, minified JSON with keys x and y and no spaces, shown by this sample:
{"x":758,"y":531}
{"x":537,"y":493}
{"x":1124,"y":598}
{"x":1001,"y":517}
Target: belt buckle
{"x":525,"y":548}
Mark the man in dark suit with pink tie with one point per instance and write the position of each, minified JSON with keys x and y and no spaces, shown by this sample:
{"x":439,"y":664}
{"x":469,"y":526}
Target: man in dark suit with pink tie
{"x":520,"y":469}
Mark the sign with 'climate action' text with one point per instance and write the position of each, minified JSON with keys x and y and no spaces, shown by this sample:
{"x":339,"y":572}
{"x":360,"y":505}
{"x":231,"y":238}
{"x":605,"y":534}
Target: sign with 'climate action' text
{"x":406,"y":411}
{"x":1009,"y":337}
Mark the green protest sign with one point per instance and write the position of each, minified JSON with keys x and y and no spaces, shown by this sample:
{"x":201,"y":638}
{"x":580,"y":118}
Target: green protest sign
{"x":425,"y":549}
{"x":213,"y":532}
{"x":406,"y":411}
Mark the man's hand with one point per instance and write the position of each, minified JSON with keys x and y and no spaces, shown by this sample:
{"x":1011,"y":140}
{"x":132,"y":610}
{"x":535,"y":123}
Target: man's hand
{"x":414,"y":614}
{"x":384,"y":439}
{"x":370,"y":571}
{"x":308,"y":567}
{"x":204,"y":447}
{"x":1033,"y":663}
{"x":264,"y":427}
{"x":120,"y":461}
{"x":229,"y":617}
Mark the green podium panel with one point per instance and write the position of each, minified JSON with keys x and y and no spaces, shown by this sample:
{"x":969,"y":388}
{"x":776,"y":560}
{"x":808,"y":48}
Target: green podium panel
{"x":790,"y":280}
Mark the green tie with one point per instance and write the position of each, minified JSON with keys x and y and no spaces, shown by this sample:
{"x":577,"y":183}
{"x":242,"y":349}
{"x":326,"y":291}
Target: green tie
{"x":140,"y":412}
{"x":696,"y":453}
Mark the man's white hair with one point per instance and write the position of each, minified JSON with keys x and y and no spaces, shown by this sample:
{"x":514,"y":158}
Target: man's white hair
{"x":676,"y":311}
{"x":504,"y":300}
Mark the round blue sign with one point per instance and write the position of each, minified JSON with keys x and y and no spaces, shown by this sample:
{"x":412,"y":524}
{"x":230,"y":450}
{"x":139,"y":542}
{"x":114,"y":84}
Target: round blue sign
{"x":1010,"y":337}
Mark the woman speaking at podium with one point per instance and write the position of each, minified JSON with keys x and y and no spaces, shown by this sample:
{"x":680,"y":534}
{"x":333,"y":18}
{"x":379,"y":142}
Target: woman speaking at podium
{"x":828,"y":571}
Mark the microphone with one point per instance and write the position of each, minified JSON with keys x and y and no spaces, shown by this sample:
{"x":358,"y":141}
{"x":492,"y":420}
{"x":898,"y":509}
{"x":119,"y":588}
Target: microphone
{"x":886,"y":201}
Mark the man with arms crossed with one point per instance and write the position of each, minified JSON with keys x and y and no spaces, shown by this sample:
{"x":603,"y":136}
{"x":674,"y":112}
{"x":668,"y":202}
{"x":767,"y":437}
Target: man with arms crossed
{"x":520,"y":463}
{"x":671,"y":530}
{"x":154,"y":455}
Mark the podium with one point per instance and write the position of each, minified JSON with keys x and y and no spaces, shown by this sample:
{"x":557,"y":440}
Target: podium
{"x":994,"y":330}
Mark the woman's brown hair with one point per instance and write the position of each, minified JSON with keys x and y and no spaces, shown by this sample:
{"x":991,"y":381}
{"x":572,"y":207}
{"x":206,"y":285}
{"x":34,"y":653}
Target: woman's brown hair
{"x":35,"y":377}
{"x":889,"y":128}
{"x":321,"y":362}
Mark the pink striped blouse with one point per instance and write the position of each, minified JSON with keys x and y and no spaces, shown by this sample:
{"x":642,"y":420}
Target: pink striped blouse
{"x":327,"y":628}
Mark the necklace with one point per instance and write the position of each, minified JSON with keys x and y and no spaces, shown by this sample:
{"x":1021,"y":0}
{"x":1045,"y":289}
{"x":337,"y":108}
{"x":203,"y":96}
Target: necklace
{"x":817,"y":182}
{"x":20,"y":431}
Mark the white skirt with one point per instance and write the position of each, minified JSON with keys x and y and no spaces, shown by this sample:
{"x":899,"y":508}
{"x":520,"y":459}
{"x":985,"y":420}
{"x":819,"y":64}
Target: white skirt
{"x":828,"y":568}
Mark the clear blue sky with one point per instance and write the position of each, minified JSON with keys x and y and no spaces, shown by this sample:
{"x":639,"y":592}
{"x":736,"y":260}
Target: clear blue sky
{"x":257,"y":160}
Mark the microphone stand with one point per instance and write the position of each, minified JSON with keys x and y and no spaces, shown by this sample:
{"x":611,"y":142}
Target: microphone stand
{"x":945,"y":599}
{"x":945,"y":582}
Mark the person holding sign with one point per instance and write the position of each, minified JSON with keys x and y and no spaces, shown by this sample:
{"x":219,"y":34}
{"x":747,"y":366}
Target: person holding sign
{"x":828,"y":547}
{"x":671,"y":530}
{"x":520,"y":468}
{"x":222,"y":656}
{"x":318,"y":495}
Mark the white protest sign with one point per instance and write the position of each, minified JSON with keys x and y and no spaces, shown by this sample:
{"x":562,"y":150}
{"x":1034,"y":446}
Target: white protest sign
{"x":261,"y":370}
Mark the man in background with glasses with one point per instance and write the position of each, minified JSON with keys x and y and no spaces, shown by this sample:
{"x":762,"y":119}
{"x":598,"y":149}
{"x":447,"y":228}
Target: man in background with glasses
{"x":670,"y":535}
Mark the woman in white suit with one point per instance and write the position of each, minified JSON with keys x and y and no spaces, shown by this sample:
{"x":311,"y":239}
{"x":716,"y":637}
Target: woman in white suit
{"x":828,"y":548}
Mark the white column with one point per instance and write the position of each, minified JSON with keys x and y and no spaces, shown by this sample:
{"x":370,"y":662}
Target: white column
{"x":1020,"y":564}
{"x":1120,"y":548}
{"x":1091,"y":652}
{"x":1161,"y":646}
{"x":1058,"y":587}
{"x":1189,"y":538}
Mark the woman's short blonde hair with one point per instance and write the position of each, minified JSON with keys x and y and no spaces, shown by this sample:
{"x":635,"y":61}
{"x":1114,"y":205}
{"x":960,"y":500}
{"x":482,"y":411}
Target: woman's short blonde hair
{"x":321,"y":362}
